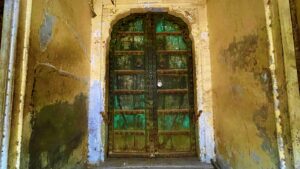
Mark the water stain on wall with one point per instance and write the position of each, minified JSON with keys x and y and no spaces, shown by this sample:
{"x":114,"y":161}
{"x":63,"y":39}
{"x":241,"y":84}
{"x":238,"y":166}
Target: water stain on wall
{"x":240,"y":55}
{"x":224,"y":164}
{"x":243,"y":98}
{"x":57,"y":130}
{"x":260,"y":119}
{"x":245,"y":57}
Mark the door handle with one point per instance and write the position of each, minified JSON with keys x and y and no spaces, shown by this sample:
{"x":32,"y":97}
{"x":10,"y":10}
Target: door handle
{"x":159,"y":83}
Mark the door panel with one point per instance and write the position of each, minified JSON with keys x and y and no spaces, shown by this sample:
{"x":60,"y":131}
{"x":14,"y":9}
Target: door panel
{"x":175,"y":107}
{"x":127,"y":108}
{"x":173,"y":82}
{"x":130,"y":82}
{"x":170,"y":42}
{"x":172,"y":62}
{"x":151,"y":87}
{"x":173,"y":101}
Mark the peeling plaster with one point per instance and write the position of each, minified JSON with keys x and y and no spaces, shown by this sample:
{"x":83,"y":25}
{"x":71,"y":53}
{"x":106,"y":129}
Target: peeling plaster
{"x":46,"y":30}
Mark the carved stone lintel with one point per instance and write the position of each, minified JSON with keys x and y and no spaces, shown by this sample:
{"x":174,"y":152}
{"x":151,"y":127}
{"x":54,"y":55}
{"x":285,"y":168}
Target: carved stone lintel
{"x":188,"y":12}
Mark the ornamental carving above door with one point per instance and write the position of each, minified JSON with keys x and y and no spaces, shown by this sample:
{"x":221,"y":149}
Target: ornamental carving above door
{"x":151,"y":97}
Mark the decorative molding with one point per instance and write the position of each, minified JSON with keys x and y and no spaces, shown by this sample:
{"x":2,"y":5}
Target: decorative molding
{"x":188,"y":12}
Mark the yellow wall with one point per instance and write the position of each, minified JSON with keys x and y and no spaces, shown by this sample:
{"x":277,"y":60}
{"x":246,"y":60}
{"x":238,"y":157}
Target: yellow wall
{"x":67,"y":63}
{"x":55,"y":115}
{"x":243,"y":103}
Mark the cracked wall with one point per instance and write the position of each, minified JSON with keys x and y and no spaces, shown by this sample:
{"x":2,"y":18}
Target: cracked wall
{"x":56,"y":105}
{"x":243,"y":103}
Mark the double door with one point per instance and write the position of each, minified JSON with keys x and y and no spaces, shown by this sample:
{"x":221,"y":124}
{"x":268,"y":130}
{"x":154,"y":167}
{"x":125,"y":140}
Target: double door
{"x":151,"y":98}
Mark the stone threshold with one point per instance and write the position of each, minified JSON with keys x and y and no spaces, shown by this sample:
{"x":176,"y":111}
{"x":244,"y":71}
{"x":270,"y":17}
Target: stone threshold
{"x":154,"y":163}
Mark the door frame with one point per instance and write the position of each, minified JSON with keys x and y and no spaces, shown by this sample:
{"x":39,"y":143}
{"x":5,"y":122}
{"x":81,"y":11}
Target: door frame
{"x":190,"y":82}
{"x":195,"y":17}
{"x":8,"y":51}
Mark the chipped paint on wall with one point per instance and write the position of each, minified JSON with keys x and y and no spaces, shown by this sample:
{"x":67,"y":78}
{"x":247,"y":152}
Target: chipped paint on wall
{"x":46,"y":30}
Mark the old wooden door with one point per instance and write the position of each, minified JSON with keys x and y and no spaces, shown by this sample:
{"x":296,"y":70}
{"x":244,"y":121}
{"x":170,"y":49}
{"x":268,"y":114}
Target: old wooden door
{"x":151,"y":103}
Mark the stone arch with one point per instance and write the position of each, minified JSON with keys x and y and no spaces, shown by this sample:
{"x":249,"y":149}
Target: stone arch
{"x":198,"y":35}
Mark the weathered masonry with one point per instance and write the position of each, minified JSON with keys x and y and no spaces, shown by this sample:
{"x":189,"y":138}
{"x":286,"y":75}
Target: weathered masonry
{"x":85,"y":81}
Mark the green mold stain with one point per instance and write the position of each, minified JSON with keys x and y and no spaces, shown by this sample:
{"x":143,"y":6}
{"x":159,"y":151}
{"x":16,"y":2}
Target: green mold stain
{"x":58,"y":129}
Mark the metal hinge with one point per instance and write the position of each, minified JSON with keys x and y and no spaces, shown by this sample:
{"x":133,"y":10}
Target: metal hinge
{"x":105,"y":117}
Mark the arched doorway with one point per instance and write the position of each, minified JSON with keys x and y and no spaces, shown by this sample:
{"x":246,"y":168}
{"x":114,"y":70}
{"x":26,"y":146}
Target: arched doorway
{"x":151,"y":93}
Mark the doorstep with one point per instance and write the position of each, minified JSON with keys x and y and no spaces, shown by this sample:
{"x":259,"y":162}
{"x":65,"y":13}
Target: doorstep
{"x":154,"y":163}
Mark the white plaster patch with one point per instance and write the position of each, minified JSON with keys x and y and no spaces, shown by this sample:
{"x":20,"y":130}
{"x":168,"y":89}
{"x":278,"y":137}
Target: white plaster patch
{"x":95,"y":146}
{"x":204,"y":36}
{"x":206,"y":139}
{"x":97,"y":34}
{"x":199,"y":99}
{"x":93,"y":62}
